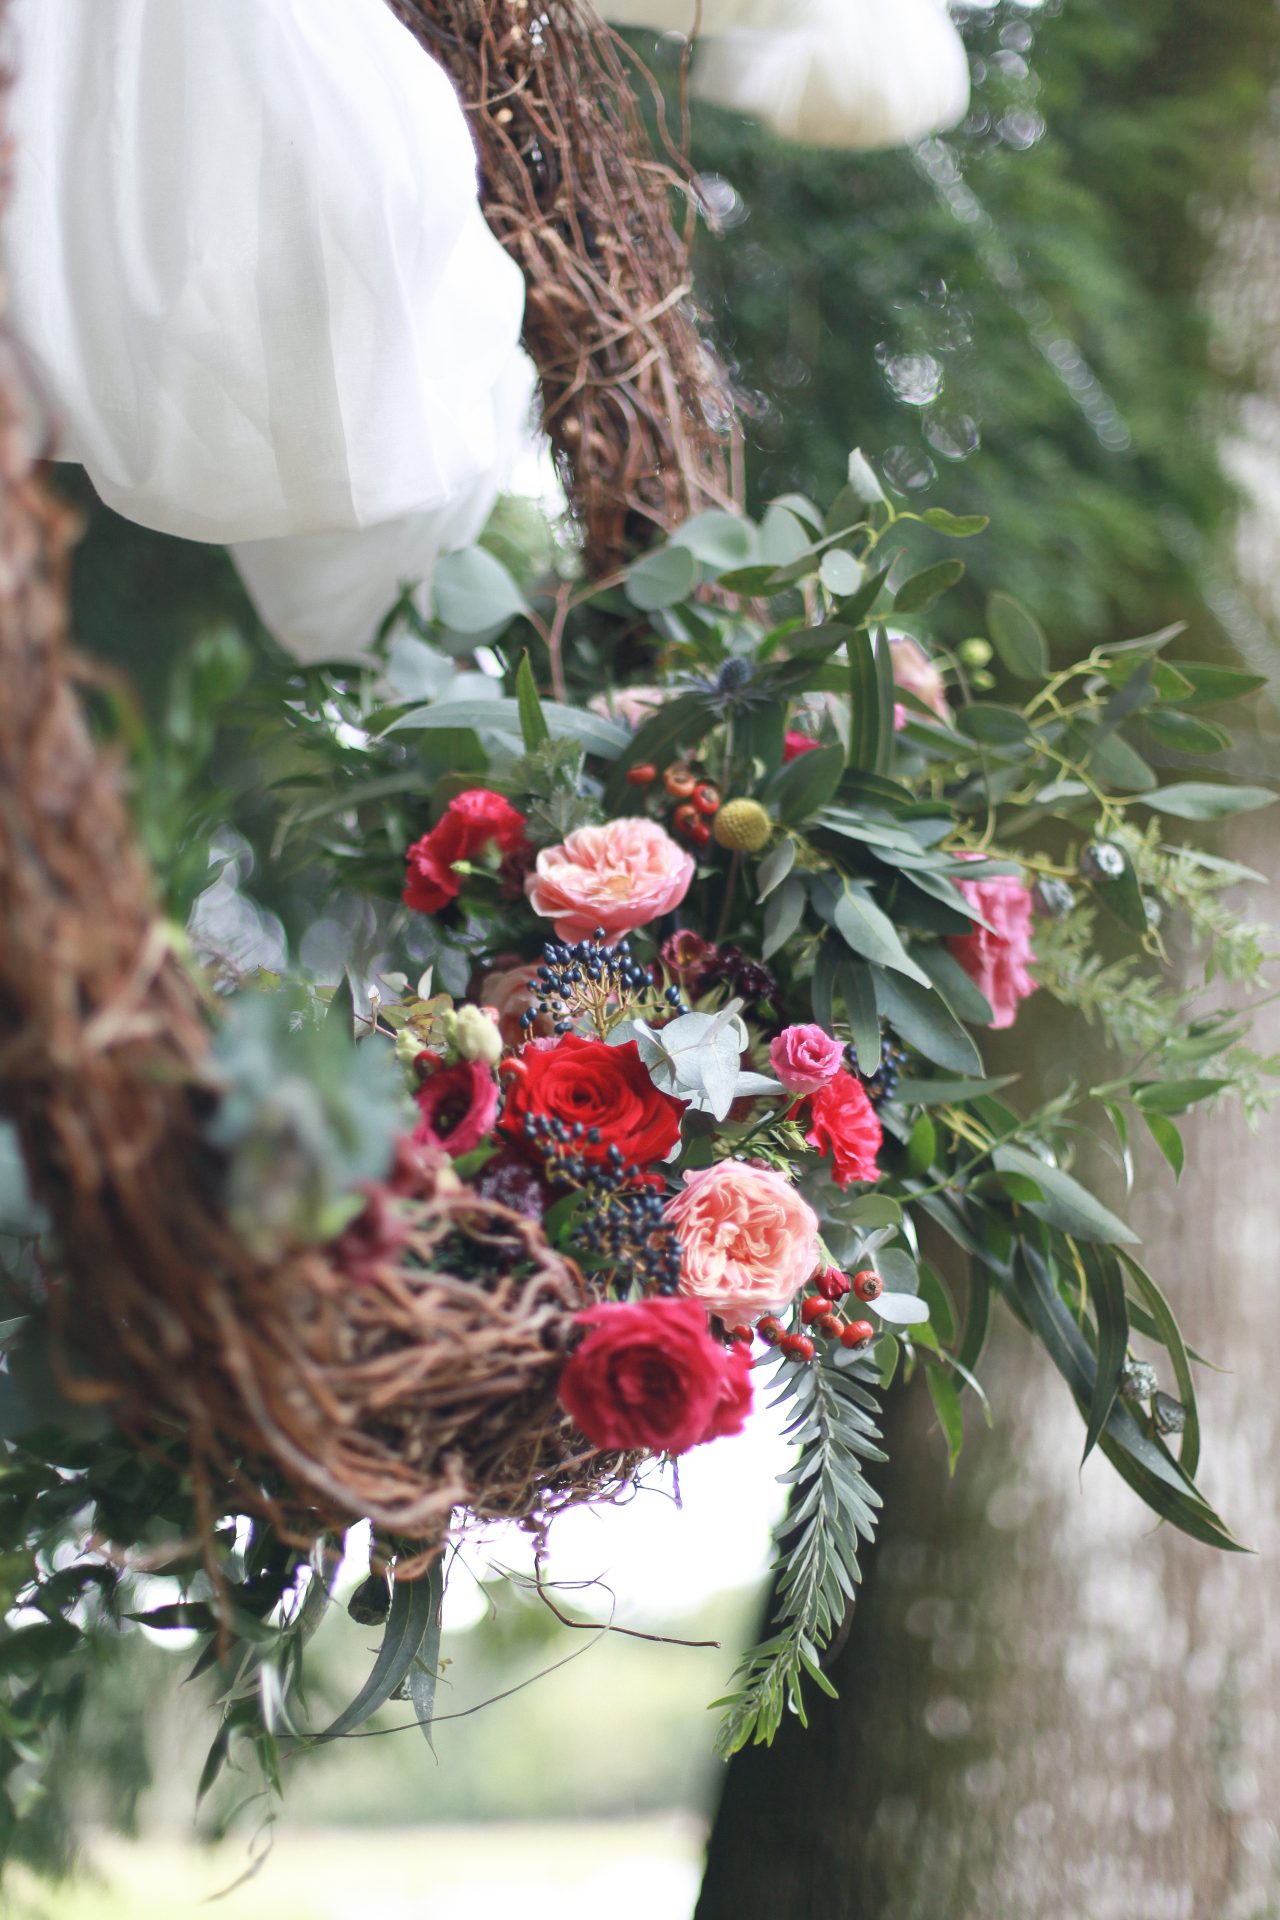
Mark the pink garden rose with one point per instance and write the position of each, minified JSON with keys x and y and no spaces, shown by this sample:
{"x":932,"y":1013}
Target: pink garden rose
{"x":916,"y":673}
{"x":996,"y":960}
{"x":805,"y":1058}
{"x":748,"y":1241}
{"x":618,"y":876}
{"x":507,"y":991}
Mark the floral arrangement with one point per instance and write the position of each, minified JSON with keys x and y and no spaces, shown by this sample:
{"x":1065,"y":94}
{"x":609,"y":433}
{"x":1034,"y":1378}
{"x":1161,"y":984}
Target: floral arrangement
{"x":699,"y":976}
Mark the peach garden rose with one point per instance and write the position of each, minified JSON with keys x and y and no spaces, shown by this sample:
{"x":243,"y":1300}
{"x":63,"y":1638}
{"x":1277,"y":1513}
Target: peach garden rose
{"x":619,"y":876}
{"x":748,"y":1241}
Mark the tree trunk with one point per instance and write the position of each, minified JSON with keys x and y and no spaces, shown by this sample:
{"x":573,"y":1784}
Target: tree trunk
{"x":1047,"y":1708}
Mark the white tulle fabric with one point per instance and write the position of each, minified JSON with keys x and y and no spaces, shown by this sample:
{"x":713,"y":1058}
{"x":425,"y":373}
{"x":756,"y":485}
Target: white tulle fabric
{"x":840,"y":73}
{"x":675,"y":16}
{"x":248,"y":261}
{"x":827,"y":73}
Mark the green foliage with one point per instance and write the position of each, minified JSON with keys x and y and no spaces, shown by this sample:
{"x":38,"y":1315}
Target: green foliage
{"x":305,"y":1116}
{"x":832,"y":1421}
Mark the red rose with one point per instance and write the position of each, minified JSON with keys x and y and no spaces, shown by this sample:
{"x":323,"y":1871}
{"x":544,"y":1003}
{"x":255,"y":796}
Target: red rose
{"x":729,"y":1415}
{"x":844,"y":1127}
{"x":649,"y":1375}
{"x":604,"y":1090}
{"x":794,"y":743}
{"x":472,"y":821}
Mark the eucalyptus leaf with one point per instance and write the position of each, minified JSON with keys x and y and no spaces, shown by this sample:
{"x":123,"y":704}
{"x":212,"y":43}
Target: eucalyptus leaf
{"x":474,"y":593}
{"x":1017,"y":637}
{"x":1066,"y":1204}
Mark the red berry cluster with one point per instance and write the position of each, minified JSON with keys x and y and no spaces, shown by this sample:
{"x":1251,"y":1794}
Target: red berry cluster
{"x":818,"y":1312}
{"x":697,"y":800}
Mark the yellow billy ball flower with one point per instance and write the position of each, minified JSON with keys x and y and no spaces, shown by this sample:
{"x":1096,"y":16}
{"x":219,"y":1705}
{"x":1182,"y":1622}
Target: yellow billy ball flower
{"x":743,"y":825}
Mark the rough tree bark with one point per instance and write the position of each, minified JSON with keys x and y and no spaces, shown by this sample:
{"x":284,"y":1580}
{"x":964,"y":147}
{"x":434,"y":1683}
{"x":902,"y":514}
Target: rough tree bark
{"x":1047,"y":1709}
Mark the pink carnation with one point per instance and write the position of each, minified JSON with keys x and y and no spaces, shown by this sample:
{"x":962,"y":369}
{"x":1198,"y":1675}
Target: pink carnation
{"x":916,"y":673}
{"x":996,"y":958}
{"x":843,"y":1126}
{"x":805,"y":1058}
{"x":748,"y":1242}
{"x":619,"y":876}
{"x":459,"y":1106}
{"x":794,"y":743}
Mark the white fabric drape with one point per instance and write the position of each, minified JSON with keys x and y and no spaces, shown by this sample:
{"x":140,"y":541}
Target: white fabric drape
{"x":827,"y":73}
{"x":248,"y":260}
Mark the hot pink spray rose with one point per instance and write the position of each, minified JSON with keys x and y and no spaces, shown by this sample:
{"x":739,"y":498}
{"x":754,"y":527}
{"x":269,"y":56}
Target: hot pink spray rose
{"x":805,"y":1058}
{"x":748,"y":1242}
{"x":618,"y":876}
{"x":996,"y":960}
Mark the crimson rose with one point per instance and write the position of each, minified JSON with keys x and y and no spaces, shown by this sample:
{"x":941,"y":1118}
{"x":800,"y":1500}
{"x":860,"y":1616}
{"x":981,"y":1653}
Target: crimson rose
{"x":605,"y":1090}
{"x":471,"y":822}
{"x":649,"y":1375}
{"x":844,"y":1126}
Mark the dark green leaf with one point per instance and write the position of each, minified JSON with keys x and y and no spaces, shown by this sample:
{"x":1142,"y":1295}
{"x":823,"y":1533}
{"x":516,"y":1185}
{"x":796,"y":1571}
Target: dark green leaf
{"x":922,"y":1017}
{"x":533,"y":723}
{"x":923,"y":588}
{"x":1212,"y":685}
{"x":922,"y":1146}
{"x":1136,"y":1455}
{"x":1017,"y":637}
{"x":1203,"y":800}
{"x":946,"y":1404}
{"x":858,"y":991}
{"x":1106,"y":1295}
{"x":1169,"y":1332}
{"x":1184,"y":733}
{"x":807,"y":784}
{"x":783,"y":912}
{"x":1175,"y":1096}
{"x":413,"y":1607}
{"x":603,"y":737}
{"x":868,"y":931}
{"x":662,"y":578}
{"x":933,"y":1093}
{"x":775,"y":867}
{"x":425,"y":1671}
{"x":977,"y":1318}
{"x":1066,"y":1204}
{"x":992,"y":725}
{"x":1168,"y":1139}
{"x":864,"y":703}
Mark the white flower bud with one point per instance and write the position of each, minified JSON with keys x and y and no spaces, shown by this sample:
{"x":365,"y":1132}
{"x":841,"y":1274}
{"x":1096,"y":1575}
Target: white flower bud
{"x":476,"y":1037}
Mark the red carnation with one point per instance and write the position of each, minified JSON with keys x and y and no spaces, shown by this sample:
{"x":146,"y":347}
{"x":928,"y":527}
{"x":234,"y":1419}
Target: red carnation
{"x":604,"y":1090}
{"x":843,"y":1126}
{"x":649,"y":1375}
{"x":472,"y":821}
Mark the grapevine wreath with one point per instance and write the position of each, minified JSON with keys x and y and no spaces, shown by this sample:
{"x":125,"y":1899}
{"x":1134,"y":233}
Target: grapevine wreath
{"x":705,"y":897}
